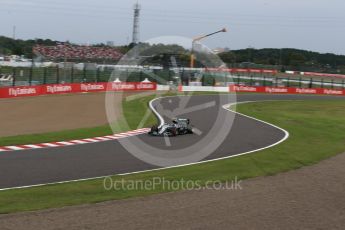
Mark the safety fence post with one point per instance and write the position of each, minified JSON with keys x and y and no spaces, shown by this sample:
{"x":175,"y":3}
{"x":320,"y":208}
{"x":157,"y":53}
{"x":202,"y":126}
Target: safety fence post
{"x":14,"y":76}
{"x":141,"y":75}
{"x":332,"y":82}
{"x":300,"y":82}
{"x":30,"y":74}
{"x":169,"y":75}
{"x":98,"y":75}
{"x":57,"y":75}
{"x":72,"y":74}
{"x":44,"y":76}
{"x":84,"y":73}
{"x":225,"y":78}
{"x":182,"y":76}
{"x":288,"y":82}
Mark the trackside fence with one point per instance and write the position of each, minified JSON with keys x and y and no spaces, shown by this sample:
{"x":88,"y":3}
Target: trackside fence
{"x":87,"y":74}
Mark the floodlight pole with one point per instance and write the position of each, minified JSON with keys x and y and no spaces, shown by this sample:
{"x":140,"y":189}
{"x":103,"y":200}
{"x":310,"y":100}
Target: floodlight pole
{"x":192,"y":56}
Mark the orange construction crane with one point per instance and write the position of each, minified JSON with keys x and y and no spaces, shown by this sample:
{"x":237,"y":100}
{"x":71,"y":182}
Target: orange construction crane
{"x":192,"y":57}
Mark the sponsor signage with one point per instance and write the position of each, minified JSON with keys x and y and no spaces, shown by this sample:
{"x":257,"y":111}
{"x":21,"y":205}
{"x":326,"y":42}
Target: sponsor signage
{"x":22,"y":91}
{"x":241,"y":88}
{"x":131,"y":86}
{"x":93,"y":87}
{"x":57,"y":89}
{"x":333,"y":92}
{"x":313,"y":74}
{"x":282,"y":90}
{"x":238,"y":70}
{"x":27,"y":91}
{"x":9,"y":92}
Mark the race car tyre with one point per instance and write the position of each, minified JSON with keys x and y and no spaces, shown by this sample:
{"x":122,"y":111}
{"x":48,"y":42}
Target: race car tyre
{"x":173,"y":132}
{"x":154,"y":128}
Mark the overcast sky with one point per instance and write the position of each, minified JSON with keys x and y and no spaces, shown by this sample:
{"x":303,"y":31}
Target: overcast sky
{"x":317,"y":25}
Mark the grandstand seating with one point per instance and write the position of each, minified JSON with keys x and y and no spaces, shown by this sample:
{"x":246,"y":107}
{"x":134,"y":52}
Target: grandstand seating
{"x":76,"y":52}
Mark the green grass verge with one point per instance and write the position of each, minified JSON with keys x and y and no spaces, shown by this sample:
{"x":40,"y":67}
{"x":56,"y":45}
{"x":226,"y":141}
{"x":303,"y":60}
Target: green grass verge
{"x":317,"y":130}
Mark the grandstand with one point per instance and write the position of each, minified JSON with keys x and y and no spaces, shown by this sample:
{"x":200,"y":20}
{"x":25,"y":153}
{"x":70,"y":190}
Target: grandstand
{"x":75,"y":52}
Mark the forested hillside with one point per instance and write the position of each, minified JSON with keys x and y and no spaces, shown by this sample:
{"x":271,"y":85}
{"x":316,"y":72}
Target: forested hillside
{"x":281,"y":59}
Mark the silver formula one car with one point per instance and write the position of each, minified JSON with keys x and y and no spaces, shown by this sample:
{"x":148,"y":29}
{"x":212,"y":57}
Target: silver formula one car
{"x":179,"y":126}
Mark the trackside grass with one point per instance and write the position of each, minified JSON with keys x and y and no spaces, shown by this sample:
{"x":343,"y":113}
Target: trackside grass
{"x":317,"y":130}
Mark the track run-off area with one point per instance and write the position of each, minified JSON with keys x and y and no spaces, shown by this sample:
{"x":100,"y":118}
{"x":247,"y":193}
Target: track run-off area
{"x":35,"y":167}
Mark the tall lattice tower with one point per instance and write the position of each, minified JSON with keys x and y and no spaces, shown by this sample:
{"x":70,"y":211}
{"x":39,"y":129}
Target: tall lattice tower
{"x":136,"y":22}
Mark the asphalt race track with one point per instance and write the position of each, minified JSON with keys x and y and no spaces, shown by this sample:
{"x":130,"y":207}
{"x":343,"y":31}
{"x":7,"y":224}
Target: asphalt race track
{"x":40,"y":166}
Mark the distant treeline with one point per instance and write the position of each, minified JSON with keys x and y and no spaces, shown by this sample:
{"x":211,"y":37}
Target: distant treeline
{"x":292,"y":59}
{"x":9,"y":46}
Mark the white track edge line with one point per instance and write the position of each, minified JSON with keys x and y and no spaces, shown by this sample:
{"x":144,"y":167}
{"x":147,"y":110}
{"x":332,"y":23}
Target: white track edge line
{"x":226,"y":107}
